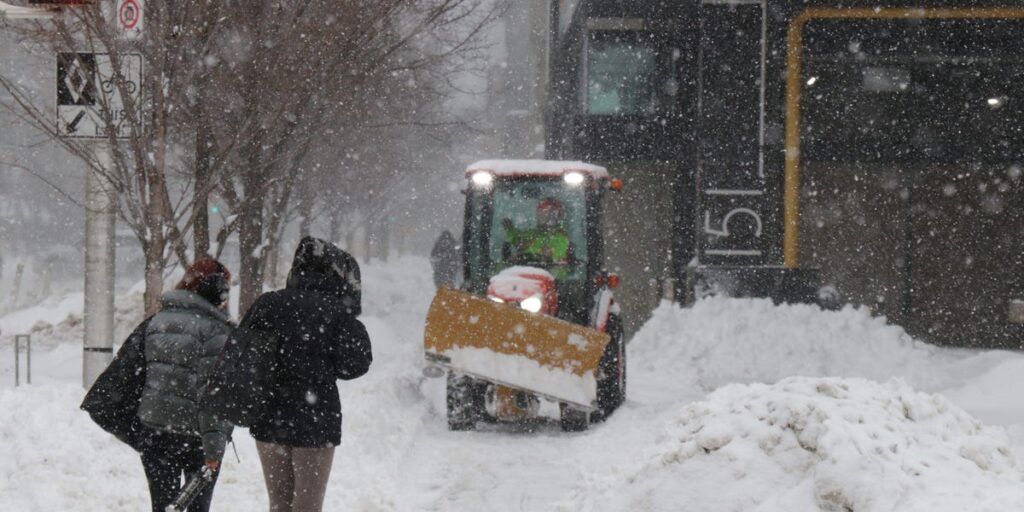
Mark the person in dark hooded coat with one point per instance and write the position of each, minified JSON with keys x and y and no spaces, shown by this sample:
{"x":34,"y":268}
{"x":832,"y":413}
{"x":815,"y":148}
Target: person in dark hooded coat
{"x":320,"y":341}
{"x":446,"y":260}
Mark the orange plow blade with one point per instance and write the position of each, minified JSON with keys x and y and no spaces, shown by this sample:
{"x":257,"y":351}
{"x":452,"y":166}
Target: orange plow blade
{"x":509,"y":346}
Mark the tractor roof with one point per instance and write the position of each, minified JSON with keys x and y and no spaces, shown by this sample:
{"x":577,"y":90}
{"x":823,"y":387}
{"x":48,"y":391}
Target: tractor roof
{"x":537,"y":168}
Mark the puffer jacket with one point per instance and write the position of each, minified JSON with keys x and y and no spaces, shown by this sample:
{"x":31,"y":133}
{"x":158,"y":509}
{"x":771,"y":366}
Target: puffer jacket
{"x":182,"y":343}
{"x":321,"y":341}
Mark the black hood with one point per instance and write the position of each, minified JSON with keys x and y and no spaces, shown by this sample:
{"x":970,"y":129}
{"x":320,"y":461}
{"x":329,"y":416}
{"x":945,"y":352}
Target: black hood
{"x":322,"y":267}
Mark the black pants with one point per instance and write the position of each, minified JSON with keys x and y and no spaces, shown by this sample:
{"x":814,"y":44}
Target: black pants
{"x":168,"y":459}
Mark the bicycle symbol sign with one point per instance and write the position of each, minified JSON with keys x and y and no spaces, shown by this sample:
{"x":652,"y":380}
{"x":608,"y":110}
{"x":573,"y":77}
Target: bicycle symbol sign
{"x":90,"y":95}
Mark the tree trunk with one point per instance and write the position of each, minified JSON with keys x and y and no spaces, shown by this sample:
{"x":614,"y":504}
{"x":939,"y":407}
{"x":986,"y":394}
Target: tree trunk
{"x":156,"y":212}
{"x":306,"y":195}
{"x":273,"y":262}
{"x":250,"y":239}
{"x":250,"y":230}
{"x":384,"y":235}
{"x":201,"y":227}
{"x":154,"y":276}
{"x":275,"y":233}
{"x":350,"y":240}
{"x":155,"y":246}
{"x":335,"y":229}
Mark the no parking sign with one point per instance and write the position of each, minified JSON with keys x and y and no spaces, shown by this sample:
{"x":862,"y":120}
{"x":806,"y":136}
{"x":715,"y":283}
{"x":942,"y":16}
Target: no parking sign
{"x":129,"y":18}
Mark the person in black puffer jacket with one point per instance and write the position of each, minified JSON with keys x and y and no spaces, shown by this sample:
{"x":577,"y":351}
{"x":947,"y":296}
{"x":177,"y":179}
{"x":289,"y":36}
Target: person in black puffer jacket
{"x":181,"y":344}
{"x":320,"y":341}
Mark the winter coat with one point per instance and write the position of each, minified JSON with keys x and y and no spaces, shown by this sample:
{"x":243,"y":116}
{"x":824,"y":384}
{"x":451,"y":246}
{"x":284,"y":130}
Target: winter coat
{"x":182,"y":343}
{"x":320,"y":341}
{"x":113,"y":400}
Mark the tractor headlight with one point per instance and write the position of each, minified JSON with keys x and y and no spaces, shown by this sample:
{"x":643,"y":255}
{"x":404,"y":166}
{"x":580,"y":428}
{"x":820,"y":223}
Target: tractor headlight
{"x":482,"y":179}
{"x":532,"y":304}
{"x":573,"y":178}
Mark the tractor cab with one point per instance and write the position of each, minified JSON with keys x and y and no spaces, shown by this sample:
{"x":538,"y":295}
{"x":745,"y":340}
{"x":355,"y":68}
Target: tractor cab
{"x":532,"y":234}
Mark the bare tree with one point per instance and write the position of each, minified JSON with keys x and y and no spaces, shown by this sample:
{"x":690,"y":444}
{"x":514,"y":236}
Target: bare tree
{"x":152,"y":189}
{"x":236,"y":98}
{"x":328,"y":59}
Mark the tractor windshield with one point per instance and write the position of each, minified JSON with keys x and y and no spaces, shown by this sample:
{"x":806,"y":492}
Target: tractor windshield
{"x":540,"y":223}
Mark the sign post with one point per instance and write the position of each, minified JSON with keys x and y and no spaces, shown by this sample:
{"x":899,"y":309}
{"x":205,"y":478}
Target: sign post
{"x":88,"y":91}
{"x":98,"y":336}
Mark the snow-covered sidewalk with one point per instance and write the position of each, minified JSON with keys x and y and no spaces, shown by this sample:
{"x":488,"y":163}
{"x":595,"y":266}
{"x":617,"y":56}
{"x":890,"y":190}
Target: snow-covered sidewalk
{"x":732,"y":405}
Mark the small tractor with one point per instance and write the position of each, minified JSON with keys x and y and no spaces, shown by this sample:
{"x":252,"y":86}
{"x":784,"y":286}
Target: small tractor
{"x":535,"y":318}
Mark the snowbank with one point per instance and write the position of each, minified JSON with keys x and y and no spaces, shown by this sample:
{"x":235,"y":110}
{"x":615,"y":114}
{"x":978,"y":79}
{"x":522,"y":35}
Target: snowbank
{"x":517,"y":370}
{"x":59,"y":319}
{"x":821,"y":444}
{"x":995,"y":393}
{"x":55,"y":458}
{"x":721,"y":340}
{"x":785,"y":444}
{"x":24,"y":321}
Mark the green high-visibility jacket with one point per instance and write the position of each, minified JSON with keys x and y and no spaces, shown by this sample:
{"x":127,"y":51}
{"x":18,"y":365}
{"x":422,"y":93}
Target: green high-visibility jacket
{"x":546,"y":245}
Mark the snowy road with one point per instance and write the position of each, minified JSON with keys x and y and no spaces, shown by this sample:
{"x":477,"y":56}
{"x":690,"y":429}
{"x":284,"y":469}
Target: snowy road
{"x":659,"y":452}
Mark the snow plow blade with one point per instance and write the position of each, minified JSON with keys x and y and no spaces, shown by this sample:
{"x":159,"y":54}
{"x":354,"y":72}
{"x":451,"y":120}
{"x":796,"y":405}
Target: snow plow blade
{"x":512,"y":347}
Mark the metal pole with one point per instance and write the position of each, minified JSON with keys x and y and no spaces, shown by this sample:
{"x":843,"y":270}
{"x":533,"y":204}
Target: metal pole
{"x":17,"y":358}
{"x":98,"y":340}
{"x":540,"y":34}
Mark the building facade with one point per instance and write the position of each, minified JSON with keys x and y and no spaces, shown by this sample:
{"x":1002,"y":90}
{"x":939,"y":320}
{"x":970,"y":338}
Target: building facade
{"x":778,"y":147}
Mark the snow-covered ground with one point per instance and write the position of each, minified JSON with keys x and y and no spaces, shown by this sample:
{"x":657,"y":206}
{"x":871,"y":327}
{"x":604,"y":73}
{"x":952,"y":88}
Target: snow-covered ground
{"x":733,"y":404}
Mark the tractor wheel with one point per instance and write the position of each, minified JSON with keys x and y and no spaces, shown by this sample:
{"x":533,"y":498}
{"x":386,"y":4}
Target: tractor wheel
{"x":611,"y":375}
{"x":465,"y":402}
{"x":573,"y":419}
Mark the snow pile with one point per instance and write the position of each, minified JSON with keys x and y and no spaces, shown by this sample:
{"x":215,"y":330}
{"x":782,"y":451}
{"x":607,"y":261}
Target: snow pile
{"x":725,"y":340}
{"x":994,"y":392}
{"x":55,"y":458}
{"x":517,"y":282}
{"x":40,"y":315}
{"x":803,"y":444}
{"x":59,"y":318}
{"x":821,"y":444}
{"x":519,"y":370}
{"x":56,"y":329}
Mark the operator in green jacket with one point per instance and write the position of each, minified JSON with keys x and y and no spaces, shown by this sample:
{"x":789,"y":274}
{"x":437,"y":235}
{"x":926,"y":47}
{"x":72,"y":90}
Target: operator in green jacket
{"x":547,"y":245}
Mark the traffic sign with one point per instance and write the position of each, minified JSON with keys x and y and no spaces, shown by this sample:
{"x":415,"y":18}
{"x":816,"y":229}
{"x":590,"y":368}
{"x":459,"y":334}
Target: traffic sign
{"x":129,"y":18}
{"x":86,"y":85}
